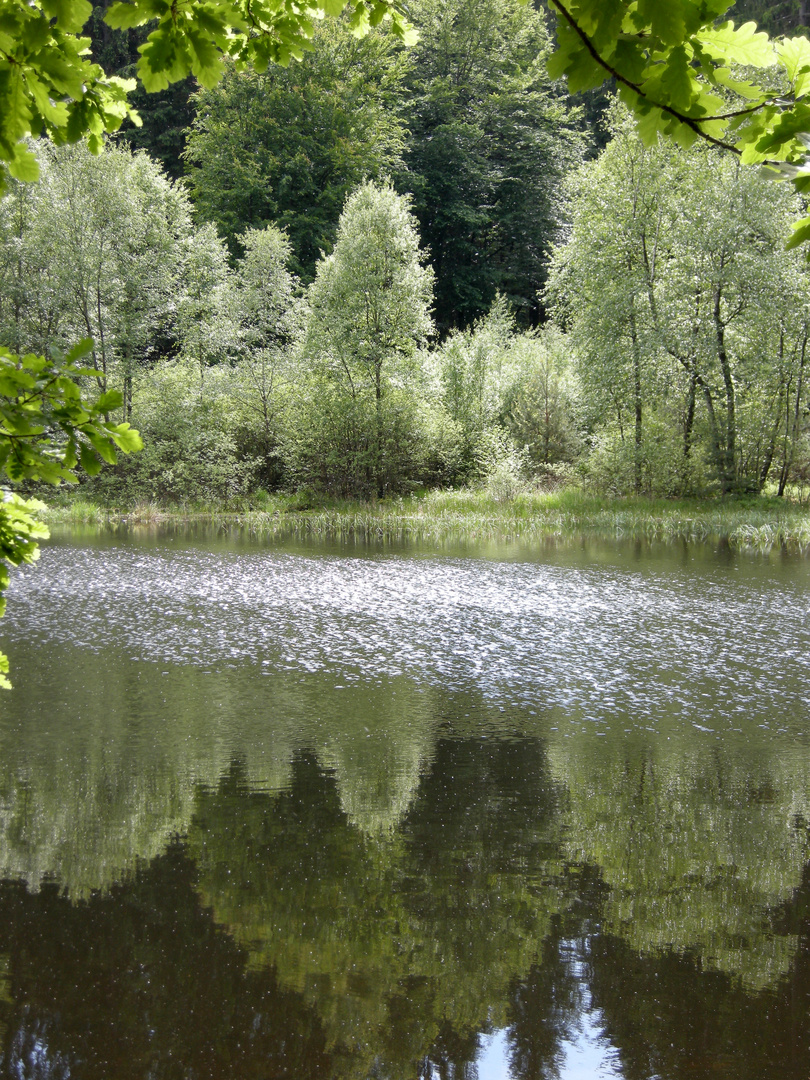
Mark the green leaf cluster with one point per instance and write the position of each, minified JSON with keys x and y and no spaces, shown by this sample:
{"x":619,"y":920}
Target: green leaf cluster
{"x":190,"y":39}
{"x":48,"y":430}
{"x":687,"y":72}
{"x":50,"y":86}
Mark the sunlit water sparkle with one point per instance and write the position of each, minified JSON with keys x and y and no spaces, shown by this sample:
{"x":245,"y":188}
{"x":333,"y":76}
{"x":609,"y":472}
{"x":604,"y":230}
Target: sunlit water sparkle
{"x":596,"y":642}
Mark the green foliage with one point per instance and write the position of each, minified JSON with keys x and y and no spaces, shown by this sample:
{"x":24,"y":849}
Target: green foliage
{"x":507,"y":393}
{"x":773,"y":16}
{"x":616,"y":465}
{"x":542,"y":407}
{"x":688,"y":317}
{"x":193,"y":454}
{"x":675,"y":63}
{"x":165,"y":114}
{"x":687,"y":74}
{"x":270,"y":313}
{"x":369,"y":313}
{"x":467,"y":122}
{"x":94,"y":250}
{"x":204,"y":324}
{"x":490,"y":141}
{"x":49,"y":86}
{"x":267,"y":292}
{"x":473,"y":371}
{"x":47,"y":429}
{"x":286,"y":146}
{"x":508,"y":471}
{"x":104,"y":245}
{"x":47,"y":432}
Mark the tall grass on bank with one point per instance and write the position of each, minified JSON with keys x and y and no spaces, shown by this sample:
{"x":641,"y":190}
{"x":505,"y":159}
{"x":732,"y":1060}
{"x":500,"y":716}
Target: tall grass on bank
{"x":470,"y":516}
{"x":78,"y":512}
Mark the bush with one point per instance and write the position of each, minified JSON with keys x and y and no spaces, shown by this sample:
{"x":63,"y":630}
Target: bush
{"x":610,"y":467}
{"x":191,"y":452}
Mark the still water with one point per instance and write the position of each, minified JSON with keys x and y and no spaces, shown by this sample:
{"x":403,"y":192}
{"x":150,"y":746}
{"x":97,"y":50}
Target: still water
{"x":273,"y":810}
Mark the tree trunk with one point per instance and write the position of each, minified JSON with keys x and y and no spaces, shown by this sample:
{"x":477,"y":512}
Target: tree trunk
{"x":379,"y":418}
{"x":793,"y":439}
{"x":637,"y":408}
{"x":716,"y":442}
{"x":688,"y":428}
{"x":727,"y":461}
{"x":128,"y":397}
{"x":770,"y":448}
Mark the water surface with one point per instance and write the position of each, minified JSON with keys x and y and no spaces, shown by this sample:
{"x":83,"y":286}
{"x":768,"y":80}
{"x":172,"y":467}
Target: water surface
{"x":299,"y":810}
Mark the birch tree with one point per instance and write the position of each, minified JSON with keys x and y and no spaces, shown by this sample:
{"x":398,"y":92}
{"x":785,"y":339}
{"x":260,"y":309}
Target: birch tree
{"x":370,"y":313}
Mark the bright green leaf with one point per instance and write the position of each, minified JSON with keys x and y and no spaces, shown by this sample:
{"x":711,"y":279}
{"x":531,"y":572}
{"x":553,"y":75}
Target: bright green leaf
{"x":745,"y":45}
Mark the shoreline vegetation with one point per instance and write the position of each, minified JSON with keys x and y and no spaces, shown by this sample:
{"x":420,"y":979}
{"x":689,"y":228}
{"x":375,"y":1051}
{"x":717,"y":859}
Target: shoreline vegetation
{"x":759,"y":522}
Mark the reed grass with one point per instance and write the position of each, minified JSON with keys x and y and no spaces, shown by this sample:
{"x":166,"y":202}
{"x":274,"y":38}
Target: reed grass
{"x":469,"y":516}
{"x":78,"y":512}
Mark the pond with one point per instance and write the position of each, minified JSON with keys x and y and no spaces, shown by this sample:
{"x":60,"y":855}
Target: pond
{"x":300,"y":810}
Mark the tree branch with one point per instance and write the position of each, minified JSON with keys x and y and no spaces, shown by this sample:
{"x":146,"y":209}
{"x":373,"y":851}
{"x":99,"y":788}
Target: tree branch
{"x":689,"y":121}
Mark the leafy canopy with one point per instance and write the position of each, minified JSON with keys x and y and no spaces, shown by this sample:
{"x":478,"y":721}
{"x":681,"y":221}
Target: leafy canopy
{"x":686,"y":72}
{"x":287,"y":146}
{"x":680,"y":66}
{"x":490,"y":140}
{"x":48,"y":84}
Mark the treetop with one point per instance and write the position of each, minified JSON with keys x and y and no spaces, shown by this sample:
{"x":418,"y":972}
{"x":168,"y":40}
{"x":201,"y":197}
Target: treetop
{"x":50,"y":86}
{"x":682,"y":68}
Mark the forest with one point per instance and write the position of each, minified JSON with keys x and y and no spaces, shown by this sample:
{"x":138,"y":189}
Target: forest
{"x":385,"y":269}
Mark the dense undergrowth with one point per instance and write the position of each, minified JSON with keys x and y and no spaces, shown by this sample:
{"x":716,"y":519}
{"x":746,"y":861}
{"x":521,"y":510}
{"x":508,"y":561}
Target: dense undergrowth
{"x":761,"y":521}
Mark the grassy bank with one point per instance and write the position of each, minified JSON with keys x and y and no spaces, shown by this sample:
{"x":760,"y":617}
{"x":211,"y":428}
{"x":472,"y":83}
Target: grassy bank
{"x":760,"y":522}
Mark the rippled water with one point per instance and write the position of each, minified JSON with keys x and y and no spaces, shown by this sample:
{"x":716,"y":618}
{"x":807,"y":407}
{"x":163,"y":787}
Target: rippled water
{"x":369,"y":812}
{"x":713,"y":646}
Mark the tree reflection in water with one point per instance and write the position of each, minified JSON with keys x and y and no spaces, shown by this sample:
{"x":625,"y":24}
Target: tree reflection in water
{"x":278,"y":938}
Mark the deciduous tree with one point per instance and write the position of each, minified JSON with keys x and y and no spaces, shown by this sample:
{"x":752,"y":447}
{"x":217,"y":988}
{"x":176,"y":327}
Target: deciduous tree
{"x":270,"y":313}
{"x":689,"y":315}
{"x":286,"y":146}
{"x":490,"y":141}
{"x":370,"y":311}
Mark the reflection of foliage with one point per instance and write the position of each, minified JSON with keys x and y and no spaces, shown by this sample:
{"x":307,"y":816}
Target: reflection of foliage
{"x":300,"y":933}
{"x":695,"y":850}
{"x":686,"y":1023}
{"x":302,"y":889}
{"x":147,"y":963}
{"x":434,"y":922}
{"x":82,"y":801}
{"x":542,"y":1013}
{"x":388,"y":895}
{"x":89,"y":791}
{"x":484,"y":816}
{"x":6,"y":1000}
{"x":378,"y":765}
